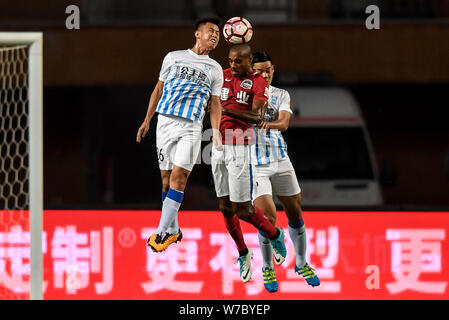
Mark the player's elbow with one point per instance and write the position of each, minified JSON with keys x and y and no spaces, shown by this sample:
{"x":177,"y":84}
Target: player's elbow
{"x":283,"y":124}
{"x":283,"y":127}
{"x":258,"y":119}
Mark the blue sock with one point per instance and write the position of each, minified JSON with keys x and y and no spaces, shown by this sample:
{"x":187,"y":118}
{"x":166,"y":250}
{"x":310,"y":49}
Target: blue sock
{"x":296,"y":225}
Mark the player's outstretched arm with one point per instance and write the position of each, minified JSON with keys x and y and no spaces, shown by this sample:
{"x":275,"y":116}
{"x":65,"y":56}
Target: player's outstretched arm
{"x":255,"y":116}
{"x":215,"y":118}
{"x":245,"y":116}
{"x":154,"y":99}
{"x":281,"y":123}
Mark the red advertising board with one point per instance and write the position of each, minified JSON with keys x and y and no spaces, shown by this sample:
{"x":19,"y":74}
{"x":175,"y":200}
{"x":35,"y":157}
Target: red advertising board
{"x":103,"y":255}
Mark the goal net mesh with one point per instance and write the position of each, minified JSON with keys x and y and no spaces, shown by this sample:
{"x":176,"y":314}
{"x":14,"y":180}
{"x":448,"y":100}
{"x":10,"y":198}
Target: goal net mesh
{"x":14,"y":174}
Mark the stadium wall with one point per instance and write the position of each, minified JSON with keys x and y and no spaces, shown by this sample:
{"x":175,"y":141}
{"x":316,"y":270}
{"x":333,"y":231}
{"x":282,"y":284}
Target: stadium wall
{"x":397,"y":53}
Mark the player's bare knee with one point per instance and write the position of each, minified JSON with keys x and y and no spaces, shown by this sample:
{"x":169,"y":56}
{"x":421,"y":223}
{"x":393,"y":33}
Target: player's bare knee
{"x":270,"y":214}
{"x":245,"y":212}
{"x":178,"y":181}
{"x":226,"y":210}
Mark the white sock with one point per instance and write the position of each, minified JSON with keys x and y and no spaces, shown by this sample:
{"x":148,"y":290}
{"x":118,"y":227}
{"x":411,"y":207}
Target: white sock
{"x":267,"y":251}
{"x":174,"y":227}
{"x":298,"y":237}
{"x":170,"y":208}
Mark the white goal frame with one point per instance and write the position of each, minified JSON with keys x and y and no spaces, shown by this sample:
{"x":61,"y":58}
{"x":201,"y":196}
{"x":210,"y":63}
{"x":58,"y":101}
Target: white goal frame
{"x":35,"y":121}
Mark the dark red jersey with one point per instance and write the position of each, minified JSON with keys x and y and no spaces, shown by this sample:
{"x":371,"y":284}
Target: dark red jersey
{"x":238,"y":93}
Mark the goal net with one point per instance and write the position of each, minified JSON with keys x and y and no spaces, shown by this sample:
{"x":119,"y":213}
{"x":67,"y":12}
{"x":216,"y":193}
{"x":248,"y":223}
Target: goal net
{"x":20,"y":166}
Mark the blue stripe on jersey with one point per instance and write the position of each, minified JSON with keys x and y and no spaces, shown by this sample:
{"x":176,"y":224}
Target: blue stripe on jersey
{"x":256,"y":133}
{"x":273,"y":146}
{"x":172,"y":98}
{"x":198,"y":93}
{"x":281,"y":147}
{"x":285,"y":144}
{"x":183,"y":101}
{"x":200,"y":107}
{"x":192,"y":102}
{"x":183,"y":89}
{"x":267,"y":151}
{"x":164,"y":96}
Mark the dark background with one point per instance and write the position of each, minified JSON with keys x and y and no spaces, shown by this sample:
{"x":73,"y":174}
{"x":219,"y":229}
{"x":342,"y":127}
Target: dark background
{"x":97,"y":83}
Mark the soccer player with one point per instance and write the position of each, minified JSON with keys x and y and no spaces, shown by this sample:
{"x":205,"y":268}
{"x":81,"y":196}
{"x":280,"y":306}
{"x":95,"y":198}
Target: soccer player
{"x":188,"y":79}
{"x":275,"y":173}
{"x":243,"y":97}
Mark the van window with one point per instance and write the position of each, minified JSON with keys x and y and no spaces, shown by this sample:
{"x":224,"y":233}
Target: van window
{"x":329,"y":153}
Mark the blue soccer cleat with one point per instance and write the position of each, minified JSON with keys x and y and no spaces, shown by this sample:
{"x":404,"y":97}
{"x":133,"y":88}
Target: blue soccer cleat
{"x":279,"y":250}
{"x":269,"y":280}
{"x":308,"y":273}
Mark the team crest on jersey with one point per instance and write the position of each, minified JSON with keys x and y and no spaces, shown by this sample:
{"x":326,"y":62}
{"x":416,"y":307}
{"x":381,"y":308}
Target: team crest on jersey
{"x":274,"y":100}
{"x":246,"y":84}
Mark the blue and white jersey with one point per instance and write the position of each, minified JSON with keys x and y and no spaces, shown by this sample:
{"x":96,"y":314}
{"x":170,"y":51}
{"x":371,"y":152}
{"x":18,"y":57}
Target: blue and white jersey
{"x":270,"y":146}
{"x":189,"y":81}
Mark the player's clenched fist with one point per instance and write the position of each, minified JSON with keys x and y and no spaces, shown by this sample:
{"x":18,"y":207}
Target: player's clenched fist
{"x":143,"y":130}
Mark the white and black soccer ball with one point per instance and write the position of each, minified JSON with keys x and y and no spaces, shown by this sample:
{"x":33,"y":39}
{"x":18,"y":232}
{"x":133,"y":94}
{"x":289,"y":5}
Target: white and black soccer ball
{"x":237,"y":30}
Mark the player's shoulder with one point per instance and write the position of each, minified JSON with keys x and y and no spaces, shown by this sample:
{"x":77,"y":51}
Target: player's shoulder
{"x":278,"y":91}
{"x":215,"y":64}
{"x":259,"y":81}
{"x":257,"y":77}
{"x":175,"y":55}
{"x":178,"y":53}
{"x":227,"y":73}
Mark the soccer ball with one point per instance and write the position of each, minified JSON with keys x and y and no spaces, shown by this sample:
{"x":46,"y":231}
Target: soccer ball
{"x":237,"y":30}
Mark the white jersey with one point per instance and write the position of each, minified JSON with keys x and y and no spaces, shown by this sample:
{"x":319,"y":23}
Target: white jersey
{"x":270,"y":145}
{"x":189,"y":81}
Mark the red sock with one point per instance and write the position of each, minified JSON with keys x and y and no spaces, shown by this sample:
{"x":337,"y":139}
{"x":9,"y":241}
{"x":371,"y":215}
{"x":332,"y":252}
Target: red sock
{"x":233,"y":226}
{"x":260,"y":222}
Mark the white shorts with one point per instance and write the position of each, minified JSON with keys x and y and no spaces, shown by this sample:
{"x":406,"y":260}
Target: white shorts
{"x":233,"y":172}
{"x":277,"y":177}
{"x":178,"y":142}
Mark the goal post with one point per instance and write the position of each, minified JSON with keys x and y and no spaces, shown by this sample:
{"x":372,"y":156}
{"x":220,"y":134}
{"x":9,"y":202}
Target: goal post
{"x":34,"y":41}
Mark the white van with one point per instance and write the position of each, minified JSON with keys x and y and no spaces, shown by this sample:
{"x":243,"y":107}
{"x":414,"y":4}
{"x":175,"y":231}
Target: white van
{"x":330,"y":148}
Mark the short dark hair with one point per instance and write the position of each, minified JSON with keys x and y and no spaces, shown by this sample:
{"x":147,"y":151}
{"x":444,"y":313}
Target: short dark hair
{"x":243,"y":48}
{"x":261,"y":56}
{"x":215,"y":21}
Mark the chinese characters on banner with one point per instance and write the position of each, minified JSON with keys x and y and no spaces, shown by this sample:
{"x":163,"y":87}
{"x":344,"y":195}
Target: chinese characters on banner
{"x":103,"y":255}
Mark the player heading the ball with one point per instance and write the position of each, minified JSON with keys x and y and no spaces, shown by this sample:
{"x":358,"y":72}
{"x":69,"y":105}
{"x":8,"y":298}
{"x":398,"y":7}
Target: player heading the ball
{"x":244,"y":98}
{"x":188,"y":81}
